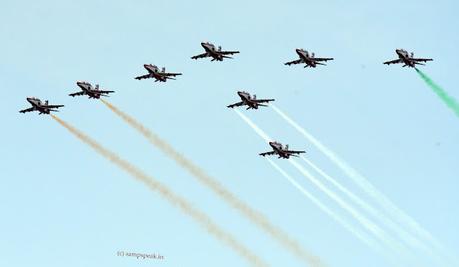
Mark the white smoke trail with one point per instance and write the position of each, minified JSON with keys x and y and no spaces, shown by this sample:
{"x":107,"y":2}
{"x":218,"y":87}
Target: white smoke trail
{"x":366,"y":223}
{"x":407,"y":238}
{"x":389,"y":207}
{"x":370,"y":226}
{"x":360,"y":235}
{"x":356,"y":232}
{"x":259,"y":131}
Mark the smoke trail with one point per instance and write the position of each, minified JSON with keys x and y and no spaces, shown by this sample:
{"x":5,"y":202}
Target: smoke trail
{"x":356,"y":232}
{"x":259,"y":131}
{"x":370,"y":226}
{"x":389,"y":207}
{"x":407,"y":238}
{"x":257,"y":218}
{"x":366,"y":223}
{"x":447,"y":99}
{"x":166,"y":193}
{"x":361,"y":236}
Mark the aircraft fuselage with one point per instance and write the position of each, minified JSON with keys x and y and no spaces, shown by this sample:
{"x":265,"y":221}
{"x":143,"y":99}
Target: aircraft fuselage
{"x":88,"y":89}
{"x":405,"y":57}
{"x":38,"y":105}
{"x":304,"y":55}
{"x":247,"y":99}
{"x":212,"y":51}
{"x":279,"y":150}
{"x":155,"y":72}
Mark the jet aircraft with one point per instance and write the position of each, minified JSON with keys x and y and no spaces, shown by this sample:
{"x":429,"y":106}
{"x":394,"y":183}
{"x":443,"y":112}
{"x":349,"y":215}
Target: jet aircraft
{"x":41,"y":107}
{"x":87,"y":89}
{"x":308,"y":60}
{"x":250,"y":101}
{"x":158,"y":75}
{"x":407,"y":59}
{"x":215,"y":53}
{"x":281,"y":151}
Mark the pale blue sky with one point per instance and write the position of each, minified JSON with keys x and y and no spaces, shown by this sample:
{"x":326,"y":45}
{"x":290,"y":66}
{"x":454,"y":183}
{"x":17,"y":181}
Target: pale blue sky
{"x":62,"y":204}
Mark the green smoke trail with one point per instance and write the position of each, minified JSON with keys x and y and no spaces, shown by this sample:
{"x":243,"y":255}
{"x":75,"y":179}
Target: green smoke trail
{"x":449,"y":100}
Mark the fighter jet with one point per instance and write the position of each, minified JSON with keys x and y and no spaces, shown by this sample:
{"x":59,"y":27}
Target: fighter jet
{"x":41,"y":107}
{"x":281,"y":151}
{"x":250,"y":101}
{"x":87,"y":89}
{"x":407,"y":59}
{"x":158,"y":75}
{"x":214,"y":53}
{"x":307,"y":59}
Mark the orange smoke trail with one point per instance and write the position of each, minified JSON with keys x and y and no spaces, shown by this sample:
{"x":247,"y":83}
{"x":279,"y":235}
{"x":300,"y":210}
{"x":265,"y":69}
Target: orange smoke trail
{"x":166,"y":193}
{"x":257,"y":218}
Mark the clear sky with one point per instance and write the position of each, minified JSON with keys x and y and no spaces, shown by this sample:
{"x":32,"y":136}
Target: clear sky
{"x":63,"y":205}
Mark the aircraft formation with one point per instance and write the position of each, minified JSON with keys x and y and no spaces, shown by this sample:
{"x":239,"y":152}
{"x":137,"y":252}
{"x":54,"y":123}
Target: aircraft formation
{"x":217,"y":54}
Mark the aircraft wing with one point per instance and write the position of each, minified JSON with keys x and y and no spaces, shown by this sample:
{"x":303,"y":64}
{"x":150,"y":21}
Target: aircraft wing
{"x":238,"y":104}
{"x":263,"y":100}
{"x":267,"y":153}
{"x":105,"y":92}
{"x":172,"y":74}
{"x":322,"y":58}
{"x":421,"y":59}
{"x":294,"y":151}
{"x":146,"y":76}
{"x":203,"y":55}
{"x":27,"y":110}
{"x":77,"y":93}
{"x":53,"y":106}
{"x":299,"y":61}
{"x":396,"y":61}
{"x":228,"y":52}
